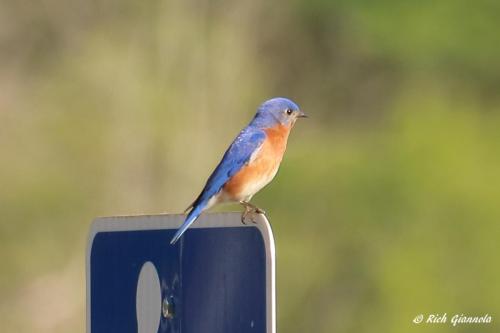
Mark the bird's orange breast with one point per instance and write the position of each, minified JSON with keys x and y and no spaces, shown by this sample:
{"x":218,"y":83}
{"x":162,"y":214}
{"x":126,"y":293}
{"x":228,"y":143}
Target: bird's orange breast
{"x":262,"y":167}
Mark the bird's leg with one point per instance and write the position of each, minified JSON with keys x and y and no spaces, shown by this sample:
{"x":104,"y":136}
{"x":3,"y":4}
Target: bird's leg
{"x":245,"y":213}
{"x":249,"y":208}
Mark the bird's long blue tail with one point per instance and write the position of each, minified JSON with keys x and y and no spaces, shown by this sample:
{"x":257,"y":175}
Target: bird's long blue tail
{"x":191,"y":217}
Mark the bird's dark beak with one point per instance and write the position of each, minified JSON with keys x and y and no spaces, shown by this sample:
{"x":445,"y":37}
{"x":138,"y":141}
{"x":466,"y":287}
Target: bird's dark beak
{"x":302,"y":115}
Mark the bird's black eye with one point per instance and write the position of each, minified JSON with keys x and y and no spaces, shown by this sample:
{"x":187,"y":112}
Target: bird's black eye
{"x":289,"y":111}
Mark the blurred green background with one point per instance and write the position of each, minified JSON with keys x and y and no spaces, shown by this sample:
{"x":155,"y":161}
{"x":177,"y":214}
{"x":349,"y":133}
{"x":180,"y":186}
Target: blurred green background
{"x":386,"y":205}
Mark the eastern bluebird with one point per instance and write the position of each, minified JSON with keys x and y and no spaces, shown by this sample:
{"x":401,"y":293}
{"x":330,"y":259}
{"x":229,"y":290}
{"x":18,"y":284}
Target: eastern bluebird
{"x":250,"y":162}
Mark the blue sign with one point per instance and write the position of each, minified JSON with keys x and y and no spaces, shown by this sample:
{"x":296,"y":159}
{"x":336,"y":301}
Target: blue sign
{"x":220,"y":277}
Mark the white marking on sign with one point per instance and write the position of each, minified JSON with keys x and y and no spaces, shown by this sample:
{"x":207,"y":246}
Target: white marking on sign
{"x":148,"y":299}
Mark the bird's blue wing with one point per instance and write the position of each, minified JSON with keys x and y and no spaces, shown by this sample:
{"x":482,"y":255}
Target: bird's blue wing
{"x":236,"y":156}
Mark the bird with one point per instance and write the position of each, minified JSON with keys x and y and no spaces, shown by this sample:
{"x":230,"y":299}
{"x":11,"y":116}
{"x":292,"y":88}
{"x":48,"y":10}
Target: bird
{"x":250,"y":163}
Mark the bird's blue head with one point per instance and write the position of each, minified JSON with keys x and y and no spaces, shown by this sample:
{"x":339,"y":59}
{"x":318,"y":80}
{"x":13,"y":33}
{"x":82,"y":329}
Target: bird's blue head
{"x":277,"y":111}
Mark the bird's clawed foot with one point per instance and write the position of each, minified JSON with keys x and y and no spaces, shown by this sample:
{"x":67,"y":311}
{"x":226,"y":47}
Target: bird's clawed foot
{"x":250,"y":210}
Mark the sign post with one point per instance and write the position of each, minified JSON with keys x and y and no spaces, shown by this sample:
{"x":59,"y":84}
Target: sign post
{"x":219,"y":277}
